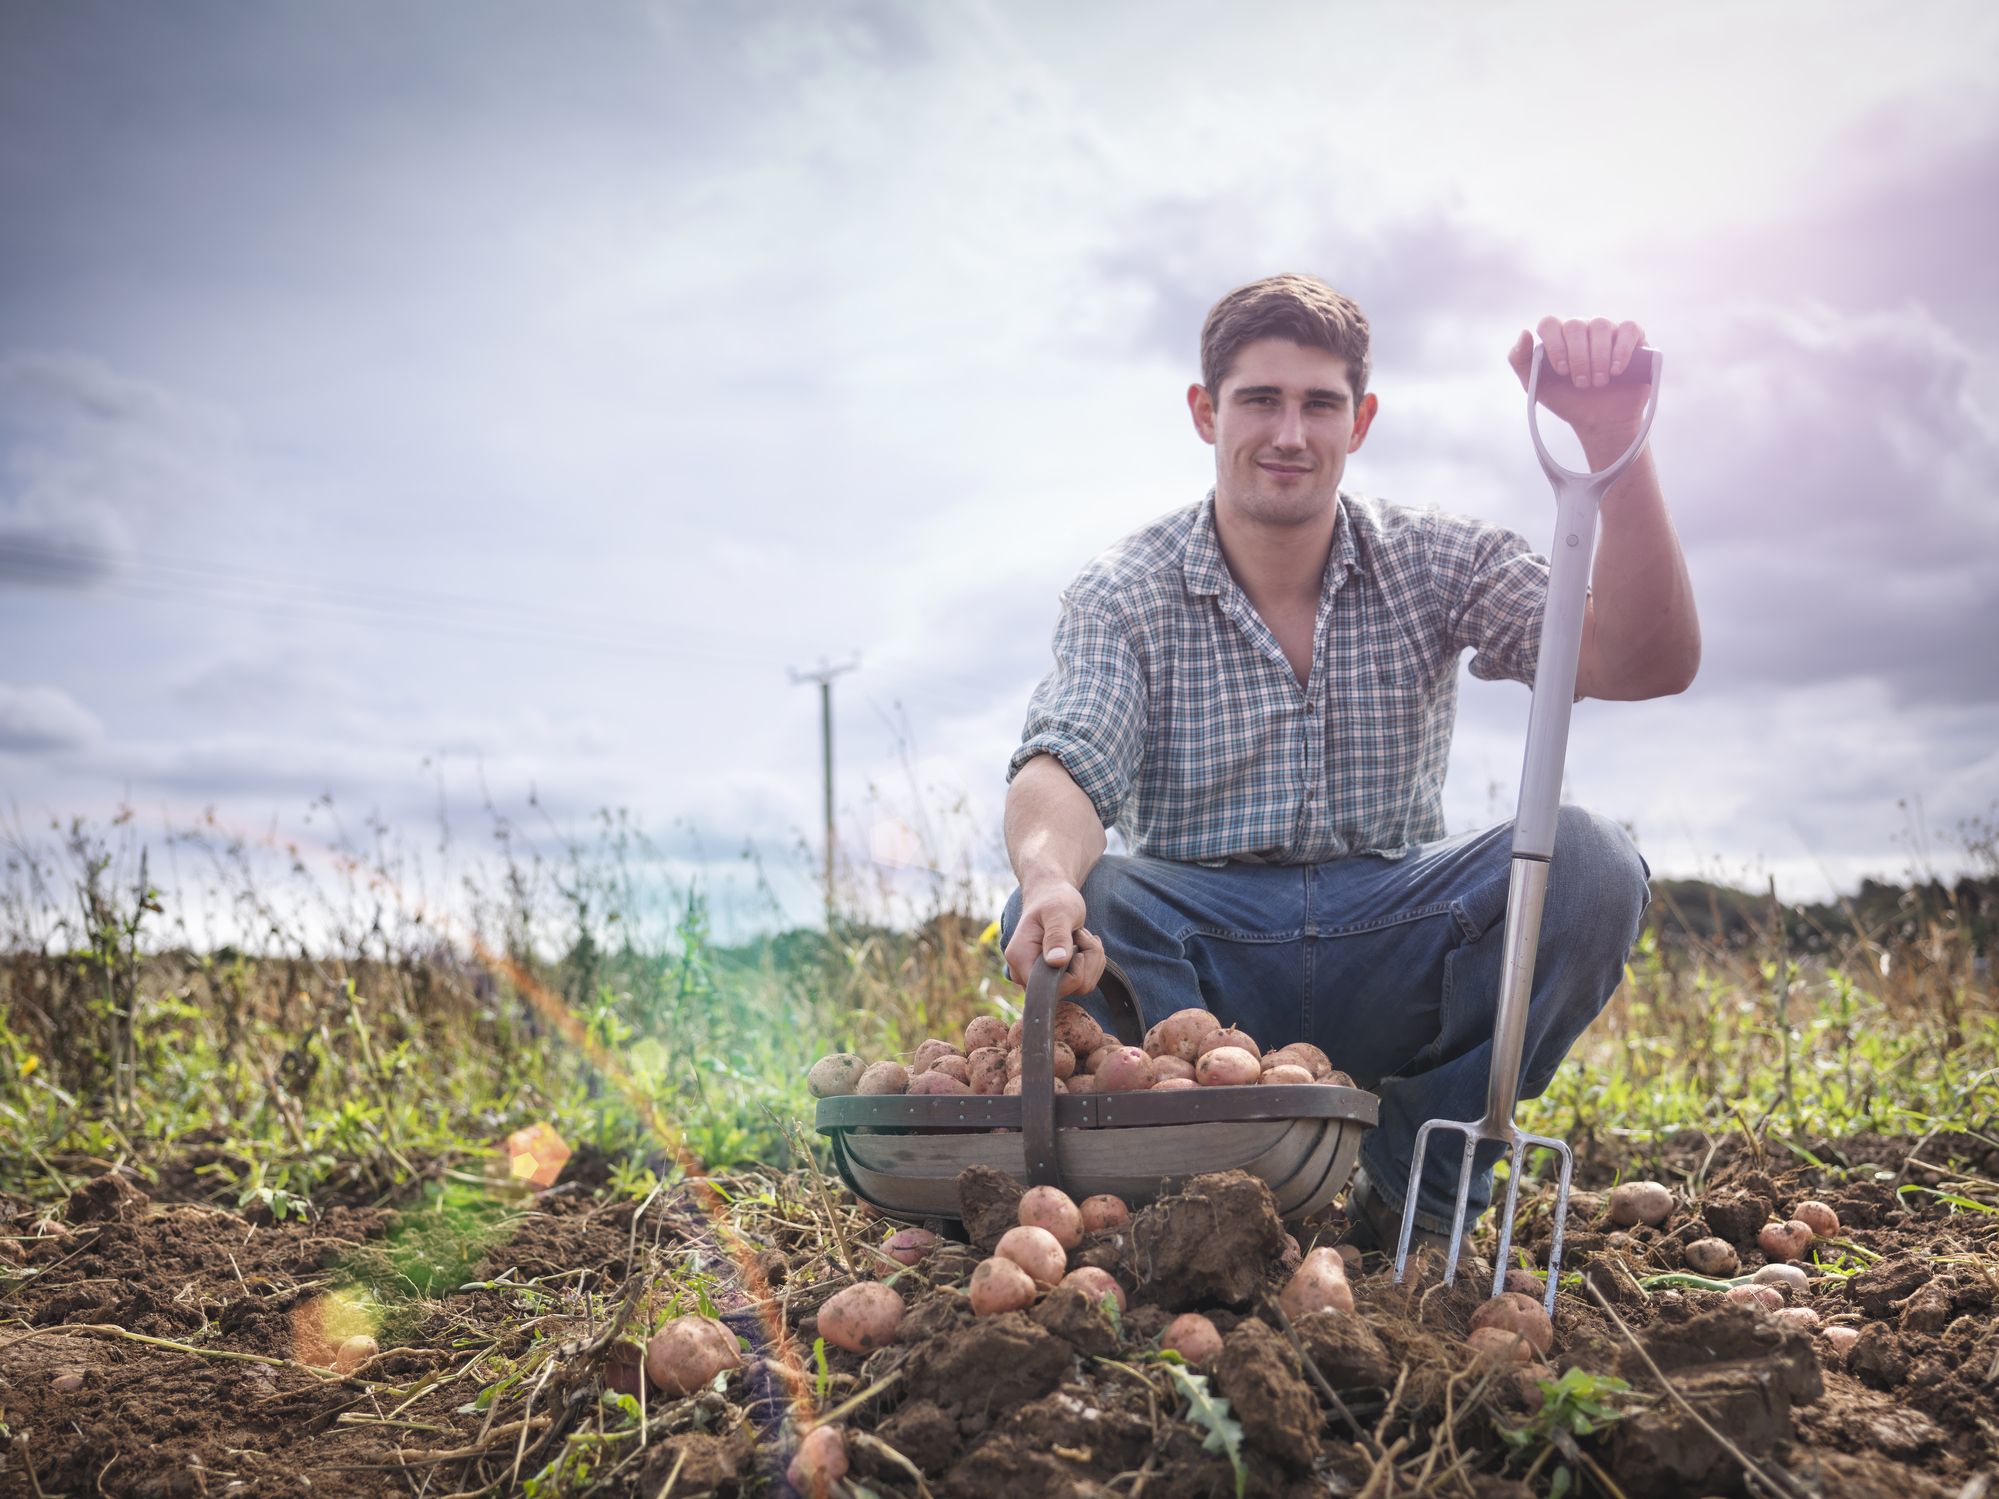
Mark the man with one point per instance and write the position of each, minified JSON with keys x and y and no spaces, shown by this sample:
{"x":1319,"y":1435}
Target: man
{"x":1259,"y":691}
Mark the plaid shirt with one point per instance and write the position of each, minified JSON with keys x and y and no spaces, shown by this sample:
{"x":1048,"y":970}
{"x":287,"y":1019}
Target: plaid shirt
{"x":1174,"y":709}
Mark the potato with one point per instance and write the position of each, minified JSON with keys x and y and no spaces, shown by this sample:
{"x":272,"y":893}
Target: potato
{"x":1300,"y":1054}
{"x":1095,"y":1059}
{"x":1125,"y":1070}
{"x":835,"y":1076}
{"x":986,"y":1030}
{"x":1284,"y":1074}
{"x":884,"y":1078}
{"x":987,"y":1067}
{"x":1803,"y":1318}
{"x":861,"y":1318}
{"x":1241,"y":1040}
{"x":1767,"y":1297}
{"x":1169,"y":1066}
{"x":687,"y":1354}
{"x":1500,"y":1344}
{"x":910,"y":1246}
{"x":1337,"y":1079}
{"x":354,"y":1352}
{"x":1841,"y":1339}
{"x":1179,"y":1034}
{"x":1013,"y":1034}
{"x":1103,"y":1212}
{"x":1173,"y":1084}
{"x":1193,"y":1337}
{"x":1226,"y":1067}
{"x":1716,"y":1257}
{"x":999,"y":1285}
{"x":929,"y":1054}
{"x":1075,"y":1029}
{"x":1818,"y":1217}
{"x":1784,"y":1241}
{"x":819,"y":1463}
{"x":1525,"y":1282}
{"x":1096,"y":1284}
{"x":1036,"y":1251}
{"x":936,"y":1083}
{"x":1082,"y":1082}
{"x":1789,"y":1277}
{"x":1319,"y":1283}
{"x":1012,"y":1088}
{"x":1632,"y":1203}
{"x":954,"y":1067}
{"x":1519,"y":1314}
{"x":1055,"y":1210}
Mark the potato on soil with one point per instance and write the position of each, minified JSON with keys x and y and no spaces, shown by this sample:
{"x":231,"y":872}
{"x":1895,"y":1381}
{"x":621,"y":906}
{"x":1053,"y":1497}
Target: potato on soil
{"x":999,"y":1285}
{"x":1818,"y":1217}
{"x":1300,"y":1054}
{"x":1193,"y":1337}
{"x":910,"y":1246}
{"x":986,"y":1030}
{"x":835,"y":1076}
{"x":1633,"y":1203}
{"x":1076,"y":1029}
{"x":1102,"y":1212}
{"x":1715,"y":1257}
{"x":1767,"y":1297}
{"x":354,"y":1352}
{"x":1790,"y":1277}
{"x":1803,"y":1318}
{"x":687,"y":1354}
{"x":1036,"y":1251}
{"x":1785,"y":1241}
{"x":929,"y":1054}
{"x":1841,"y":1339}
{"x":1125,"y":1070}
{"x":1226,"y":1067}
{"x":1501,"y":1344}
{"x":884,"y":1077}
{"x":1285,"y":1075}
{"x":1240,"y":1040}
{"x":1179,"y":1034}
{"x":1055,"y":1210}
{"x":1318,"y":1284}
{"x":819,"y":1463}
{"x":936,"y":1083}
{"x":1519,"y":1314}
{"x":1096,"y":1284}
{"x":861,"y":1318}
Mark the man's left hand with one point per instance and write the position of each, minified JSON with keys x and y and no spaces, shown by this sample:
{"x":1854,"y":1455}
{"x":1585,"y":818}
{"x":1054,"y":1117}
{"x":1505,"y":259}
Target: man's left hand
{"x":1582,"y":356}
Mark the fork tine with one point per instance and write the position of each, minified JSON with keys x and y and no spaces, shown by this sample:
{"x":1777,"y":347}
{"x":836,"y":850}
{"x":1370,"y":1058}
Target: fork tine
{"x":1409,"y":1198}
{"x":1458,"y":1213}
{"x":1568,"y":1167}
{"x":1516,"y":1161}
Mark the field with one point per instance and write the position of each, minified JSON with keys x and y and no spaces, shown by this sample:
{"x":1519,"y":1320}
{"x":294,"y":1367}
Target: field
{"x":508,"y":1154}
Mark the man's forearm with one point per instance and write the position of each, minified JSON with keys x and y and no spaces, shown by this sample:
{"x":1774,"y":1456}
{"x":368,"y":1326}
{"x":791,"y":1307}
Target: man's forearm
{"x":1647,"y":635}
{"x":1052,"y":831}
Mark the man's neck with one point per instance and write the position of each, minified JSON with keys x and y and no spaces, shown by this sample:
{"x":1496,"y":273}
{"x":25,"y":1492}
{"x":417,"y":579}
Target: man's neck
{"x":1277,"y":566}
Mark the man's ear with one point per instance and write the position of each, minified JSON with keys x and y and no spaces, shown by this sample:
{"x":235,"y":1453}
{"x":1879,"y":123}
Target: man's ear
{"x":1363,"y":418}
{"x":1202,"y":407}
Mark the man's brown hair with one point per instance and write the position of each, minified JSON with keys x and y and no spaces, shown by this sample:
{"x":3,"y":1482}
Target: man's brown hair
{"x":1301,"y":308}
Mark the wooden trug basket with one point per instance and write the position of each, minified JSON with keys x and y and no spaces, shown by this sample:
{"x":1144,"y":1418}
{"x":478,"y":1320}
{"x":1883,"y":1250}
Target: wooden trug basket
{"x":1301,"y":1140}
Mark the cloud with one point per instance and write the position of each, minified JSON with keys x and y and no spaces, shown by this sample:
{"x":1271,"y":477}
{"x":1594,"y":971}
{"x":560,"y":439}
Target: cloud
{"x":39,"y":720}
{"x":93,"y":463}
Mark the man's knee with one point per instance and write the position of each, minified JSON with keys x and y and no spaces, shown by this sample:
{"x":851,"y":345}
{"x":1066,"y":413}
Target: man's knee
{"x":1598,"y":878}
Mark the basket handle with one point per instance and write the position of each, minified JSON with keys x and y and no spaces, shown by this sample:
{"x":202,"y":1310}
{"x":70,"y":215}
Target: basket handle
{"x":1037,"y":1059}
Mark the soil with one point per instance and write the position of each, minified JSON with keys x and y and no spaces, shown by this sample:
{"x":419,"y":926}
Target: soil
{"x":1065,"y":1399}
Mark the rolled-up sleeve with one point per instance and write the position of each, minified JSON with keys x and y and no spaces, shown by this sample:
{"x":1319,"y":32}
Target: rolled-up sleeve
{"x":1494,"y":589}
{"x":1090,"y":711}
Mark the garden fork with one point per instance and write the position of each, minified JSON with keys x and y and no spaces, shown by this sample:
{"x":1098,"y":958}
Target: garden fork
{"x":1577,"y":499}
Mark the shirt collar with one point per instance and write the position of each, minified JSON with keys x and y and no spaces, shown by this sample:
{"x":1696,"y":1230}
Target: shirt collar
{"x":1206,"y":570}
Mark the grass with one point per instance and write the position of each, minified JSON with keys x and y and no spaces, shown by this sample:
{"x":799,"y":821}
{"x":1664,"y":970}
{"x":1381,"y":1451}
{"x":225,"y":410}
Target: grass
{"x":354,"y":1048}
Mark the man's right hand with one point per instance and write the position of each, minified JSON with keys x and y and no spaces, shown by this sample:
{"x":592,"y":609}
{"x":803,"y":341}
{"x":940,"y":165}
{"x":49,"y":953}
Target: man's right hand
{"x":1051,"y":931}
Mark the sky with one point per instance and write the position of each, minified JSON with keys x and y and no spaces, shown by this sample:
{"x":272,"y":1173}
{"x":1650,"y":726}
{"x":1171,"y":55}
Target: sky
{"x":429,"y":408}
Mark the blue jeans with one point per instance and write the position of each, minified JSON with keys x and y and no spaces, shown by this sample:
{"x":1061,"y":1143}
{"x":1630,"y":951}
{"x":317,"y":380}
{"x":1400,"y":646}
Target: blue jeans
{"x":1389,"y":966}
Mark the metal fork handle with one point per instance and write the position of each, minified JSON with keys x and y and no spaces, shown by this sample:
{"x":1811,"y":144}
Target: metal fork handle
{"x":1578,"y":497}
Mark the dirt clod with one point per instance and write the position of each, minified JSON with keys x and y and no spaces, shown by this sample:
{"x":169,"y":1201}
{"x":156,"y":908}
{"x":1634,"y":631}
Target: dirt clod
{"x":1878,"y":1358}
{"x":990,"y":1202}
{"x":1210,"y":1242}
{"x":993,"y":1364}
{"x":1071,"y":1315}
{"x":1259,"y":1372}
{"x":1347,"y":1351}
{"x":922,"y":1432}
{"x":1876,"y":1289}
{"x":1737,"y":1216}
{"x":105,"y":1199}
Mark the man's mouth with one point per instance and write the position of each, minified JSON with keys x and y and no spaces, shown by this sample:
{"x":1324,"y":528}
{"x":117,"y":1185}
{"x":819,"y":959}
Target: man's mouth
{"x":1284,"y":470}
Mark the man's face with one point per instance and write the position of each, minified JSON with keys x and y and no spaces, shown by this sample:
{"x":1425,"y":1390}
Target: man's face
{"x":1282,"y":425}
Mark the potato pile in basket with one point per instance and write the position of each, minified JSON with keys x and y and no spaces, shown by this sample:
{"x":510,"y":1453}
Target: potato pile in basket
{"x":1188,"y":1049}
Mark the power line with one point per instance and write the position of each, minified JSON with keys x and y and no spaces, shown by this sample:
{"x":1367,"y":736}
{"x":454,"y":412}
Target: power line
{"x":824,"y":676}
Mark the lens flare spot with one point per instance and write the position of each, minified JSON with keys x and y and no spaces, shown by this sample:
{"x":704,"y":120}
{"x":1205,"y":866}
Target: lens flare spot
{"x":321,"y":1325}
{"x":535,"y":1155}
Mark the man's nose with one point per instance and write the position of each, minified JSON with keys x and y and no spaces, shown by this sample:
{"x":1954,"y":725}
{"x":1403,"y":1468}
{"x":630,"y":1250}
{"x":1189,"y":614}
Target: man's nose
{"x":1291,"y":428}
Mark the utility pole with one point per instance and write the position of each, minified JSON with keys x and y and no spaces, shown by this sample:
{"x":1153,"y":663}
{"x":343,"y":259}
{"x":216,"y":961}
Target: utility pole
{"x":824,"y":677}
